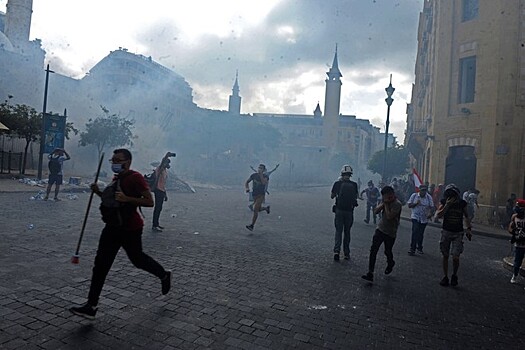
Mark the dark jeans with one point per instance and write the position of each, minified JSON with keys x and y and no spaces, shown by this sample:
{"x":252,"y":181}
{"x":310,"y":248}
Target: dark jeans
{"x":109,"y":244}
{"x":377,"y":240}
{"x":418,"y":230}
{"x":159,"y":202}
{"x":519,"y":253}
{"x":343,"y":222}
{"x":370,"y":207}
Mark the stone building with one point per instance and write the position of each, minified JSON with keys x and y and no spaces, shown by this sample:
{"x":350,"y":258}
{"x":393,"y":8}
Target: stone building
{"x":465,"y":123}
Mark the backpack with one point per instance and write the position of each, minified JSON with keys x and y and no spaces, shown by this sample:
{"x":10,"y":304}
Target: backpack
{"x":114,"y":213}
{"x":54,"y":166}
{"x":151,"y":180}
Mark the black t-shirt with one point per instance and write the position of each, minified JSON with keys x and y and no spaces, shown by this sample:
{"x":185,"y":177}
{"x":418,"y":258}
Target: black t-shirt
{"x":346,"y":196}
{"x":258,"y":187}
{"x":453,"y":218}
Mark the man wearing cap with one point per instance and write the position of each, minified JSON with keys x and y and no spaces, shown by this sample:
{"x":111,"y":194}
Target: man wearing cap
{"x":372,"y":197}
{"x":345,"y":193}
{"x":453,"y":210}
{"x":423,"y":208}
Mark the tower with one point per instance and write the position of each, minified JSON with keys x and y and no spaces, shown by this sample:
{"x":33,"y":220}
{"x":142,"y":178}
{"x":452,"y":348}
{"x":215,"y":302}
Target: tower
{"x":234,"y":104}
{"x":331,"y":104}
{"x":18,"y":23}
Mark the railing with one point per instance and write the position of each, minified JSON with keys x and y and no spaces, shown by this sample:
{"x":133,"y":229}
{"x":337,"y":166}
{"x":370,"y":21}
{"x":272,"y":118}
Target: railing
{"x":10,"y":161}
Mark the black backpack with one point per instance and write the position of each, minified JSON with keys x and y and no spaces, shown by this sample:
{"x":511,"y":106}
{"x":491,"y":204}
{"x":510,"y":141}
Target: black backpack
{"x":151,"y":180}
{"x":54,"y":166}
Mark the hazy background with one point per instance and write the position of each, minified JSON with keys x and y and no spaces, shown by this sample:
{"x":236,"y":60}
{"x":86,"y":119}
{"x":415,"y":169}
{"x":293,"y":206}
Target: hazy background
{"x":282,"y":49}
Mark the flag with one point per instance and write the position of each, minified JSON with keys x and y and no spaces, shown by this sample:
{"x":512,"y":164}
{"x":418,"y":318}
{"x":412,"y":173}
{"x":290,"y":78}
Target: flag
{"x":417,"y":179}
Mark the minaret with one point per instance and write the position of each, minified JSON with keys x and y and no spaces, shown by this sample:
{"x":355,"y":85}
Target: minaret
{"x":234,"y":104}
{"x":18,"y":23}
{"x":317,"y":112}
{"x":331,"y":104}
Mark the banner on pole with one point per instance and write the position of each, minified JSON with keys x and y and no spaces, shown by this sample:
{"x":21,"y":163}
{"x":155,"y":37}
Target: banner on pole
{"x":55,"y":132}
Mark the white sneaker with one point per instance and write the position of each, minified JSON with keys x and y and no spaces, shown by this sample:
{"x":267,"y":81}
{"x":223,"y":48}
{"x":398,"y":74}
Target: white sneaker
{"x":514,"y":279}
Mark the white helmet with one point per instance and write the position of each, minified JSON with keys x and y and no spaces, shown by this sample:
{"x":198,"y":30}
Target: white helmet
{"x":346,"y":169}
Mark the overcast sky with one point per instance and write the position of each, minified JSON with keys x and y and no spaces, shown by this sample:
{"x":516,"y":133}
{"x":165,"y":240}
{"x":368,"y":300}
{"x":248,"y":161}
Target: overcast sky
{"x":281,"y":48}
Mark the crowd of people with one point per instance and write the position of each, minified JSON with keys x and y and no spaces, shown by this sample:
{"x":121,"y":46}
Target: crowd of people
{"x":129,"y":190}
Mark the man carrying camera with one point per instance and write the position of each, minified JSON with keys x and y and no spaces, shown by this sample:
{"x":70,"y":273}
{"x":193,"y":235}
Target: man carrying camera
{"x":345,"y":193}
{"x":159,"y":190}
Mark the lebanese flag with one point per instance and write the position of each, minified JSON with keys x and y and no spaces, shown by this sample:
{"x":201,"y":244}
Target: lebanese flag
{"x":417,"y":179}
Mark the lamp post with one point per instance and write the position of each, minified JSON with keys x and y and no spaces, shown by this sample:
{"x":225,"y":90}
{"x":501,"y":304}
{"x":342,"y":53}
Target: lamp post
{"x":389,"y":91}
{"x":42,"y":130}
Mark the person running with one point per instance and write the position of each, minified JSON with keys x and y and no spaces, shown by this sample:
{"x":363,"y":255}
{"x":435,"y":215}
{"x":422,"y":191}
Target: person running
{"x":259,"y":181}
{"x":423,"y":209}
{"x":517,"y":230}
{"x":372,"y":197}
{"x":345,"y":193}
{"x":123,"y":228}
{"x":453,"y":210}
{"x":56,"y":175}
{"x":267,"y":173}
{"x":386,"y":231}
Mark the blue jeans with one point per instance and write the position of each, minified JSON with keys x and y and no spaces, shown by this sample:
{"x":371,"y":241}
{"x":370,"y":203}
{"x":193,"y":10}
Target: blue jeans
{"x":519,"y":253}
{"x":159,"y":201}
{"x":418,"y":230}
{"x":343,"y":222}
{"x":370,"y":207}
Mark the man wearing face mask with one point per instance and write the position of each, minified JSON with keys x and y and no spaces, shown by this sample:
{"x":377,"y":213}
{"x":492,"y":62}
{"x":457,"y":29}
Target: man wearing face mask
{"x":123,"y":228}
{"x":161,"y":175}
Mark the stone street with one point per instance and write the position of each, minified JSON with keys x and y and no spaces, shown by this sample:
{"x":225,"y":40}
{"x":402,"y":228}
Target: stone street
{"x":274,"y":288}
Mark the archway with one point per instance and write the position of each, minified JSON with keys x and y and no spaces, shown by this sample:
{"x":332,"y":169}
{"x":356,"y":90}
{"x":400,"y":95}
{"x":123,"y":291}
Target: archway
{"x":460,"y":167}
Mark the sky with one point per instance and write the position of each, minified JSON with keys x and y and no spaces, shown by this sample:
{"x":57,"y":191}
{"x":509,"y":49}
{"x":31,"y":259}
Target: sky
{"x":281,"y":49}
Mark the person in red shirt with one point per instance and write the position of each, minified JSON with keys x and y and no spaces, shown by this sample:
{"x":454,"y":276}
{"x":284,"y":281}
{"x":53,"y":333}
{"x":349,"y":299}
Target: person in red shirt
{"x":123,"y":228}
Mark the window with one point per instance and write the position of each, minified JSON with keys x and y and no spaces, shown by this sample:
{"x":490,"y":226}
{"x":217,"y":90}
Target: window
{"x":467,"y":79}
{"x":470,"y":10}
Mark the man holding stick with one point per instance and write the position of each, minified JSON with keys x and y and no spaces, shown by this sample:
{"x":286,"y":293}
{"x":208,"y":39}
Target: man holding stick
{"x":123,"y":228}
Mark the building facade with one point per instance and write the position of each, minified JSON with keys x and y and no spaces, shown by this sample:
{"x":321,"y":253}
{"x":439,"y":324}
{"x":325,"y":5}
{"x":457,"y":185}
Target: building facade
{"x":465,"y":123}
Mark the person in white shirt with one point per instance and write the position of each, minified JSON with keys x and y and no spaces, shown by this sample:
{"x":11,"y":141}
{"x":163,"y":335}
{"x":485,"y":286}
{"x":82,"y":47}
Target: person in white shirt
{"x":423,"y":208}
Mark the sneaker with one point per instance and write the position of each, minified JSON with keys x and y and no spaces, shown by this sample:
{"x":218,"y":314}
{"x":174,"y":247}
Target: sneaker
{"x":454,"y":280}
{"x":86,"y":311}
{"x":420,"y":251}
{"x":411,"y":252}
{"x":367,"y":221}
{"x":161,"y":227}
{"x":369,"y":277}
{"x":514,"y":279}
{"x":268,"y":209}
{"x":156,"y":229}
{"x":336,"y":256}
{"x":444,"y":281}
{"x":56,"y":199}
{"x":166,"y":283}
{"x":389,"y":268}
{"x":347,"y":257}
{"x":249,"y":227}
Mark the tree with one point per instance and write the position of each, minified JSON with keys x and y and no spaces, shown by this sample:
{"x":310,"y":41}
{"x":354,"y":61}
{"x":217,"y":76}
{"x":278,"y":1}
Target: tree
{"x":397,"y":162}
{"x":107,"y":131}
{"x":25,"y":122}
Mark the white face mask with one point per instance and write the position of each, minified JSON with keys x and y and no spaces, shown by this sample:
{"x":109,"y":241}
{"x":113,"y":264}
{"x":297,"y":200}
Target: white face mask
{"x":117,"y":168}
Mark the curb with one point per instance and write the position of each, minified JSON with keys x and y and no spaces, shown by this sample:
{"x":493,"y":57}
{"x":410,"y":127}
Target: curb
{"x":475,"y":230}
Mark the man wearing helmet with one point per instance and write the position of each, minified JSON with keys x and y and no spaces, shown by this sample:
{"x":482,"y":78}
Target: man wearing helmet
{"x":345,"y":193}
{"x":453,"y":210}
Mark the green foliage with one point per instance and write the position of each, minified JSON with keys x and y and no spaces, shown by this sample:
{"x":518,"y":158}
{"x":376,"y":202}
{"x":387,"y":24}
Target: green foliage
{"x":108,"y":130}
{"x":397,"y":162}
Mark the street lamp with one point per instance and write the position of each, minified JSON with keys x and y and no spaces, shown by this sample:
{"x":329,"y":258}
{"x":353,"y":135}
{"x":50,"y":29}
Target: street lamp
{"x":42,"y":130}
{"x":389,"y":91}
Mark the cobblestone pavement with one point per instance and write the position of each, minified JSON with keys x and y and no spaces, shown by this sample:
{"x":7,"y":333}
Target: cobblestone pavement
{"x":274,"y":288}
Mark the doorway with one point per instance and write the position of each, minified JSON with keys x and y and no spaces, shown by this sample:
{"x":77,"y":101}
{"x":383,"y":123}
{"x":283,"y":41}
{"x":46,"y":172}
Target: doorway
{"x":460,"y":167}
